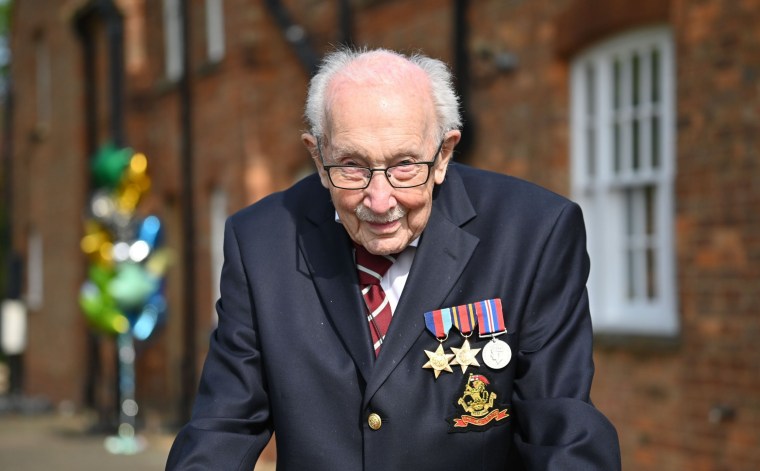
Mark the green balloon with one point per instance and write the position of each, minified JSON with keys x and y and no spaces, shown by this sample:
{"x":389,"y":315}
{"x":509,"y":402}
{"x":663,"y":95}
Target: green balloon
{"x":131,"y":286}
{"x":109,"y":164}
{"x":99,"y":310}
{"x":90,"y":300}
{"x":100,"y":276}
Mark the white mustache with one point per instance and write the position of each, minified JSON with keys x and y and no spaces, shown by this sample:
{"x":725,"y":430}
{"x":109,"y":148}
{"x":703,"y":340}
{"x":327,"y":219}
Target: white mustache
{"x":366,"y":215}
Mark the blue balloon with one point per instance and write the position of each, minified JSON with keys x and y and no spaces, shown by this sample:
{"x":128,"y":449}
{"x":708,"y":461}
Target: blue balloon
{"x":149,"y":231}
{"x":151,"y":316}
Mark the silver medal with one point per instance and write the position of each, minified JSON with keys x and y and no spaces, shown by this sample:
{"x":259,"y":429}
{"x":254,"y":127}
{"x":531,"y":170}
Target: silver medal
{"x":496,"y":354}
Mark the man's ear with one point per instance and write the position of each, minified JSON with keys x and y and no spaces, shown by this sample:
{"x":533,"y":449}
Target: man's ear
{"x":447,"y":151}
{"x":310,"y":141}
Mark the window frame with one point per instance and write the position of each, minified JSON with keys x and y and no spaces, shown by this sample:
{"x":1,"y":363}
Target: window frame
{"x":616,"y":192}
{"x":173,"y":46}
{"x":215,"y":40}
{"x":218,"y":214}
{"x":43,"y":83}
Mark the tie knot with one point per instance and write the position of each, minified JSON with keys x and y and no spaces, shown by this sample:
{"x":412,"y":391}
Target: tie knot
{"x":371,"y":267}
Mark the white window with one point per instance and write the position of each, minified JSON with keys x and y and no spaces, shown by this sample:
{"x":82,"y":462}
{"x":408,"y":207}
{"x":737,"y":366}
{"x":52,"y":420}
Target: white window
{"x":215,"y":30}
{"x":173,"y":40}
{"x":35,"y":271}
{"x":623,"y":166}
{"x":43,"y":83}
{"x":217,"y":216}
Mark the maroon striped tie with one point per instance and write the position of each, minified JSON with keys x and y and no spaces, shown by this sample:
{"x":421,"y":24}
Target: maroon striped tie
{"x":371,"y":269}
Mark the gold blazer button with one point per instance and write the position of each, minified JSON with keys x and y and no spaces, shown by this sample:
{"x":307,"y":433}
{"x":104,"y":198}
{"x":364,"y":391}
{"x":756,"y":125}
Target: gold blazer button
{"x":374,"y":421}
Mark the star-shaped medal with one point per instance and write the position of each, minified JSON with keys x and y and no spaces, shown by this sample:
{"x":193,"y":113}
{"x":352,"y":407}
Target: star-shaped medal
{"x":438,"y":361}
{"x":465,"y":356}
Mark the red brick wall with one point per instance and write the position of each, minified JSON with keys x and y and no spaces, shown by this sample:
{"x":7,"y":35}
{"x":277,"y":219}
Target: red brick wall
{"x":49,"y":182}
{"x":684,"y":403}
{"x":718,"y":230}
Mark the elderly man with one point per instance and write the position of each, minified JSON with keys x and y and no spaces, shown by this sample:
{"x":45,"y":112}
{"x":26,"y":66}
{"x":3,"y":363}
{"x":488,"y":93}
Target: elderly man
{"x":397,"y":311}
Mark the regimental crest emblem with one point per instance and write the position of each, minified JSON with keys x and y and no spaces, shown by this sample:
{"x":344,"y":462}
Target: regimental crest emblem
{"x":477,"y":401}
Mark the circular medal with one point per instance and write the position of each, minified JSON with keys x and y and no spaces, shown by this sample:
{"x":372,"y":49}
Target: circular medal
{"x":496,"y":354}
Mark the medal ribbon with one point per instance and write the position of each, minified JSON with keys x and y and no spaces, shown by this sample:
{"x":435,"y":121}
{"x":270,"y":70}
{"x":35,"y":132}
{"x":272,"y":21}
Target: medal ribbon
{"x":464,"y":318}
{"x":490,"y":317}
{"x":439,"y":322}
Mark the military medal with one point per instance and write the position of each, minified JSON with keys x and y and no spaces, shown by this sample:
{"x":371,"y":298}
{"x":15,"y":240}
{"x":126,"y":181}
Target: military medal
{"x":438,"y":323}
{"x":465,"y":356}
{"x":438,"y":361}
{"x":496,"y":353}
{"x":464,"y":320}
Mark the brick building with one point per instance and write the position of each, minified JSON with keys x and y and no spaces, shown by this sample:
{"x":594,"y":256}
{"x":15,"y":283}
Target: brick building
{"x":647,"y":113}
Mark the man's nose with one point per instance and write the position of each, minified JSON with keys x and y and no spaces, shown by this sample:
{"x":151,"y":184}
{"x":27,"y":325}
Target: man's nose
{"x":378,"y":196}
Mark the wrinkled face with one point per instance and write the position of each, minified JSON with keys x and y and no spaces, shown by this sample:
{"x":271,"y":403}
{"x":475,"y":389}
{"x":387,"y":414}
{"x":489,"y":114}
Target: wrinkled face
{"x":378,"y":126}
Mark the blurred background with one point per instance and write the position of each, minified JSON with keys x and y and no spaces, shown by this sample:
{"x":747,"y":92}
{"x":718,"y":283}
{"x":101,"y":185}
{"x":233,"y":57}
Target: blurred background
{"x":130,"y":129}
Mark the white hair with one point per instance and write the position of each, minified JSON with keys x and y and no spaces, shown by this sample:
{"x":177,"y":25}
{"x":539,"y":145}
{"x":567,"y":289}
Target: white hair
{"x":444,"y":97}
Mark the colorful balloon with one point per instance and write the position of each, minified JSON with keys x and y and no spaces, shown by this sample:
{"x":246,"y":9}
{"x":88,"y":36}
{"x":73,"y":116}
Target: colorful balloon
{"x":109,"y":164}
{"x":149,"y":230}
{"x":123,"y":292}
{"x":131,"y":286}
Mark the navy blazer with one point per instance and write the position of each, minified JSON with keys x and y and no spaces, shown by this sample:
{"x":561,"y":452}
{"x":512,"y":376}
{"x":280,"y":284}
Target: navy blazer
{"x":292,"y":350}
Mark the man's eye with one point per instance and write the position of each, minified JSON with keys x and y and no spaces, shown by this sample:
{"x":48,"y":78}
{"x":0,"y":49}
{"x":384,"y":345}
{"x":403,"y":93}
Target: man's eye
{"x":348,"y":162}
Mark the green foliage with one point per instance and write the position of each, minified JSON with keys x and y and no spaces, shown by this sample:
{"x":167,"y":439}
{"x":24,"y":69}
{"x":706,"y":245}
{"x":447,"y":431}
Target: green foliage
{"x":5,"y":27}
{"x":5,"y":15}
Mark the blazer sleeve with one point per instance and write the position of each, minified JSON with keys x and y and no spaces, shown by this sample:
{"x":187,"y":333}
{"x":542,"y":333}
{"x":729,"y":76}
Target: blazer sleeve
{"x":557,"y":426}
{"x":231,"y":421}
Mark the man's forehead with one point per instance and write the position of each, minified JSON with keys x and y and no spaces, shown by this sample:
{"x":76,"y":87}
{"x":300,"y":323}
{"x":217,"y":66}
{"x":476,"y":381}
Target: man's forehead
{"x":363,"y":148}
{"x":377,"y":109}
{"x":381,"y":71}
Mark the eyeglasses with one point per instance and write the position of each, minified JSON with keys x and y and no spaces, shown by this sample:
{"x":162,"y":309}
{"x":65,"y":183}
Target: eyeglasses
{"x":354,"y":177}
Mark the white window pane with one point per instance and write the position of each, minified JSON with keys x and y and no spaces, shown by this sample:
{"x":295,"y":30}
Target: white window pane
{"x":628,"y":145}
{"x":655,"y":71}
{"x":635,"y":145}
{"x":34,"y":271}
{"x":635,"y":80}
{"x":218,"y":216}
{"x":215,"y":30}
{"x":651,"y":274}
{"x":591,"y":118}
{"x":654,"y":125}
{"x":43,"y":82}
{"x":173,"y":40}
{"x":618,"y":84}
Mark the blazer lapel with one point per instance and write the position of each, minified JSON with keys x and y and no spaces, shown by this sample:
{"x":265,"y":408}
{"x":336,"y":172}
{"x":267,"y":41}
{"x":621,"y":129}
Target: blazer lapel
{"x":327,"y":250}
{"x":444,"y":251}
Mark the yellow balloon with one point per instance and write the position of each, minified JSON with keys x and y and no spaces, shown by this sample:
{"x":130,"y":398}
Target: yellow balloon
{"x":138,"y":164}
{"x":96,"y":243}
{"x":91,"y":243}
{"x":106,"y":252}
{"x":143,"y":183}
{"x":158,"y":262}
{"x":127,"y":198}
{"x":120,"y":324}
